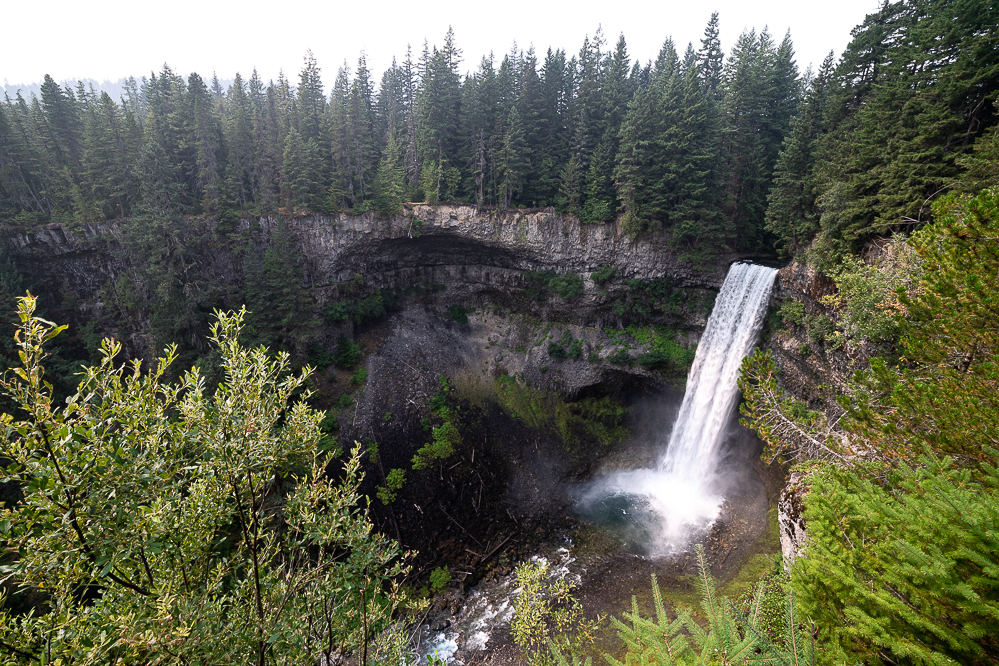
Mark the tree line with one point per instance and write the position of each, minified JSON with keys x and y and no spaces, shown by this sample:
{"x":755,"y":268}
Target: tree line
{"x":685,"y":143}
{"x":888,"y":128}
{"x":740,"y":150}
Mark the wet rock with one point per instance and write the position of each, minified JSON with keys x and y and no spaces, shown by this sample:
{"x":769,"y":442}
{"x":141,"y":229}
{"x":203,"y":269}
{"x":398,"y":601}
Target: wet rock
{"x":791,"y":517}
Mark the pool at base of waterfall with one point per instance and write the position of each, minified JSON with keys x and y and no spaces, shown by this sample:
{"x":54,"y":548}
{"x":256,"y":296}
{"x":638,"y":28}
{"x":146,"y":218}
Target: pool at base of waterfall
{"x":650,"y":512}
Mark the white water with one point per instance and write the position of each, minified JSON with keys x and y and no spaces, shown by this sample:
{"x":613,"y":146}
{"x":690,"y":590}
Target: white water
{"x":678,"y":500}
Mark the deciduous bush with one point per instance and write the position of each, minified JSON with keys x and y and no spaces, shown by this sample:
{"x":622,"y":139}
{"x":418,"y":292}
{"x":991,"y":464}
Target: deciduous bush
{"x":167,"y":525}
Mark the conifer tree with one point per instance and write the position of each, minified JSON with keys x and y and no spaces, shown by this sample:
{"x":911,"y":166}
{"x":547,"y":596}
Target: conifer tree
{"x":599,"y":190}
{"x":274,"y":294}
{"x":791,"y":211}
{"x":710,"y":58}
{"x":297,"y":180}
{"x":514,"y":160}
{"x":389,"y":183}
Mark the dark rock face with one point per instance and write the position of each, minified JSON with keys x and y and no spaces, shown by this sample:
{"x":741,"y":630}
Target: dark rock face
{"x":812,"y":370}
{"x":474,"y":256}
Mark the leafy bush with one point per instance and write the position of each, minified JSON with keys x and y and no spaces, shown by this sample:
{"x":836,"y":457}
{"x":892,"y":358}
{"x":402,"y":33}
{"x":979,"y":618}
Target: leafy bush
{"x":792,"y":312}
{"x":347,"y":355}
{"x":868,"y":295}
{"x":458,"y":313}
{"x":545,"y":613}
{"x":152,"y":520}
{"x":575,"y":350}
{"x":556,"y":351}
{"x":359,"y":377}
{"x":603,"y":274}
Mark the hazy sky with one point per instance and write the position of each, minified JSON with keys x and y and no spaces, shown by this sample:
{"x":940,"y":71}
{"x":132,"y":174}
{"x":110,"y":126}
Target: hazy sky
{"x":105,"y":39}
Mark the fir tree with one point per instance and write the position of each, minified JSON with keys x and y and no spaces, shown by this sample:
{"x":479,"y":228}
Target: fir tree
{"x":389,"y":182}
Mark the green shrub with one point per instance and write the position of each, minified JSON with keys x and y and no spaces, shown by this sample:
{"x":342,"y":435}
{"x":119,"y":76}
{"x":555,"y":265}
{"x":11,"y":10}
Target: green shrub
{"x":820,"y":327}
{"x":603,"y":274}
{"x":792,"y":312}
{"x":394,"y":482}
{"x":642,"y":336}
{"x":666,"y":352}
{"x":555,"y":350}
{"x":871,"y":307}
{"x":337,"y":312}
{"x":644,"y":297}
{"x":445,"y":438}
{"x":347,"y":355}
{"x":620,"y":357}
{"x":319,"y":357}
{"x":359,"y":377}
{"x":458,"y":313}
{"x":330,"y":423}
{"x":143,"y":488}
{"x":369,"y":307}
{"x":566,"y":286}
{"x":575,"y":350}
{"x":546,"y":614}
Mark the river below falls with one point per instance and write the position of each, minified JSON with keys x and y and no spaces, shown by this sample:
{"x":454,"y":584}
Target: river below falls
{"x":474,"y":628}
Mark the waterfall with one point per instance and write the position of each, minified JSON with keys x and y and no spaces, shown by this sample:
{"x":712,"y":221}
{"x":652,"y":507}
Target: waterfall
{"x":664,"y":508}
{"x":712,"y":385}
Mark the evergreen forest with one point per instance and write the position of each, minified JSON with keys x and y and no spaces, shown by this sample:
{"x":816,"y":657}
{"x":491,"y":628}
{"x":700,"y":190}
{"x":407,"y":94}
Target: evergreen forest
{"x":742,"y":150}
{"x":184,"y":494}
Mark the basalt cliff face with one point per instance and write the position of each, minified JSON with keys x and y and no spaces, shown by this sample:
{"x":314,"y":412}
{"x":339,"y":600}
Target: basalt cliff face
{"x":472,"y":253}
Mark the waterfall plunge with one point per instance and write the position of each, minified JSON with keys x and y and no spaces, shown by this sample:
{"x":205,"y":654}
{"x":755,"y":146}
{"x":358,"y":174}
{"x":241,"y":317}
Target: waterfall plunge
{"x":676,"y":501}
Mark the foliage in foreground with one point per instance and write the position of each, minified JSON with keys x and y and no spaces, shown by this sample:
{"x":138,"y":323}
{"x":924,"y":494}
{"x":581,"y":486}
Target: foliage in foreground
{"x":900,"y":564}
{"x":729,"y":636}
{"x":546,"y":614}
{"x":164,"y":525}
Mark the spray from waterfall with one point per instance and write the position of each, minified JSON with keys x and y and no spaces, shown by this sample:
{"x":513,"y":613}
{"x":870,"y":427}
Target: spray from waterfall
{"x":671,"y":504}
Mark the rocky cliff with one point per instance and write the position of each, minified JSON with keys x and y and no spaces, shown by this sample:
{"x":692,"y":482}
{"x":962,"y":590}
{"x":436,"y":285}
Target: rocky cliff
{"x":476,"y":251}
{"x":470,"y":257}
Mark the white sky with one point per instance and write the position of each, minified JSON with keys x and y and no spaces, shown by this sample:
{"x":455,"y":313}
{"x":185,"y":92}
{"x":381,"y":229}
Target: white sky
{"x":109,"y":39}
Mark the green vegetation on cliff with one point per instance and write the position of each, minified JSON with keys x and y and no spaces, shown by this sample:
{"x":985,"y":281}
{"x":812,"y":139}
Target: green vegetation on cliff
{"x":899,"y":564}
